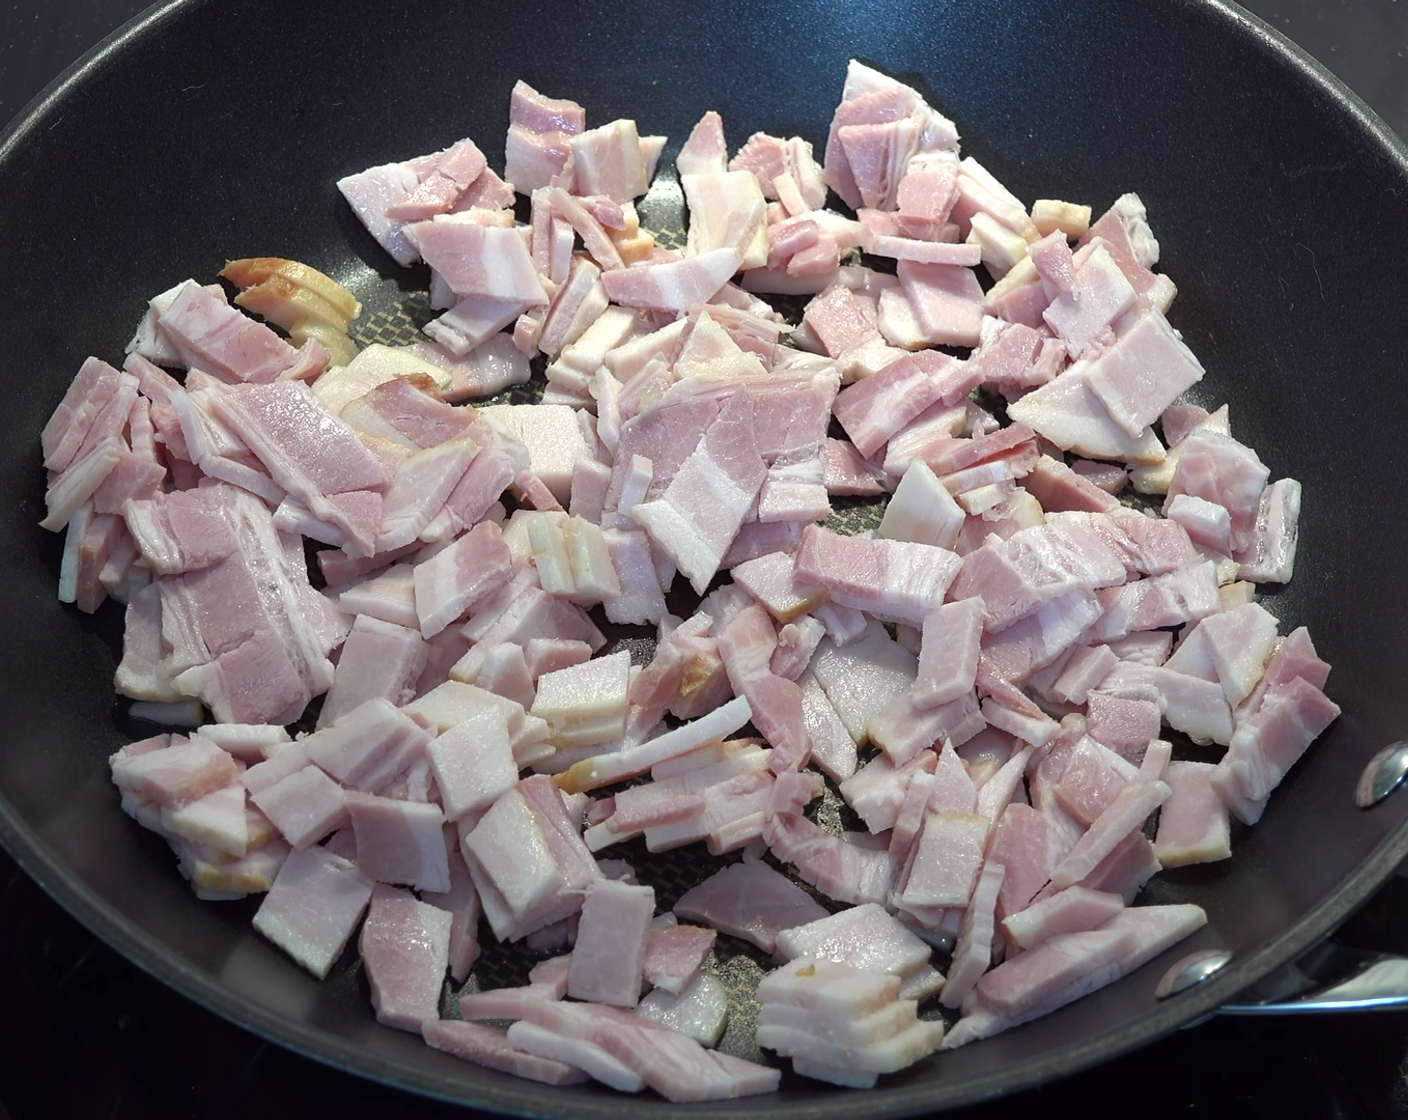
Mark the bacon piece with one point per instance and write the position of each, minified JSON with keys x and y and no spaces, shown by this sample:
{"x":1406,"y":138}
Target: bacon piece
{"x":1069,"y":966}
{"x":945,"y":861}
{"x":1068,"y":412}
{"x":1072,"y":910}
{"x":473,"y":763}
{"x":585,"y":704}
{"x":727,"y":210}
{"x":489,"y":1046}
{"x":1193,"y":826}
{"x":672,"y":285}
{"x":746,"y":647}
{"x":1016,"y":578}
{"x":1270,"y":557}
{"x":538,"y":145}
{"x":456,"y":578}
{"x":1124,"y":815}
{"x":675,"y":955}
{"x":405,"y":946}
{"x":399,"y":841}
{"x":1267,"y":744}
{"x":610,"y":161}
{"x":478,"y":260}
{"x":948,"y":657}
{"x":864,"y":676}
{"x":749,"y":900}
{"x":1219,"y":469}
{"x":608,"y":960}
{"x":210,"y":335}
{"x":697,"y":515}
{"x":841,"y":1024}
{"x":864,"y":937}
{"x":876,"y":408}
{"x":315,"y":904}
{"x":895,"y":580}
{"x":603,"y":770}
{"x":378,"y":659}
{"x":305,"y":806}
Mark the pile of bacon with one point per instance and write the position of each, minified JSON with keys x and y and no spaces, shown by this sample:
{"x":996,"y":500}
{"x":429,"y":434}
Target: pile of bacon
{"x":1010,"y":641}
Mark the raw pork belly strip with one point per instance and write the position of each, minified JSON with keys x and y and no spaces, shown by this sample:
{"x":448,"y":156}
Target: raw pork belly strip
{"x":471,"y":747}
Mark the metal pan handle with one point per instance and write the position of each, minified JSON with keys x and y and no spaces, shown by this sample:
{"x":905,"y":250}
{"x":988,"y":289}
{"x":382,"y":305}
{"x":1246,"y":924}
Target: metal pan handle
{"x":1329,"y":978}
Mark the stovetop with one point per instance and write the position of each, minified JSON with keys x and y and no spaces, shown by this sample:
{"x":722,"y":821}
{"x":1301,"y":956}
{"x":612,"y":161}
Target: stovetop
{"x":84,"y":1033}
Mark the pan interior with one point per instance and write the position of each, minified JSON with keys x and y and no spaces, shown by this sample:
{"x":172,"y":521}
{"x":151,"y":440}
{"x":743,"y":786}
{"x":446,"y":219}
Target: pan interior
{"x":216,"y":130}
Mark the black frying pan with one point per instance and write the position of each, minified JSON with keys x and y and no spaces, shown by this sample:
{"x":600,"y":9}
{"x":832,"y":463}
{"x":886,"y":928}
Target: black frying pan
{"x":216,"y":130}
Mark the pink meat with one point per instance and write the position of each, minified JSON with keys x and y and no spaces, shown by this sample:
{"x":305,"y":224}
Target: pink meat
{"x":973,"y":952}
{"x":1271,"y":555}
{"x":749,"y":900}
{"x":489,"y":1047}
{"x":608,"y":960}
{"x":1193,"y":825}
{"x":1029,"y":846}
{"x":478,"y":260}
{"x":1088,"y":784}
{"x":461,"y":901}
{"x":947,"y":301}
{"x":315,"y":904}
{"x":1294,"y":657}
{"x":838,"y":867}
{"x":902,"y":729}
{"x":405,"y":946}
{"x":610,"y":161}
{"x":1016,"y":578}
{"x":866,"y":937}
{"x":513,"y":866}
{"x":1059,"y":487}
{"x":473,"y":763}
{"x":1124,"y":815}
{"x":1071,"y":965}
{"x":1096,"y":295}
{"x":210,"y":335}
{"x":1218,"y":469}
{"x":399,"y":841}
{"x":672,"y":285}
{"x":1269,"y":743}
{"x":367,"y":746}
{"x":746,"y":647}
{"x":456,"y":170}
{"x":305,"y":806}
{"x":1125,"y":725}
{"x":876,"y":408}
{"x":696,"y":517}
{"x":310,"y":453}
{"x":378,"y":659}
{"x":945,"y":861}
{"x":1130,"y":864}
{"x":66,"y":431}
{"x":675,"y":955}
{"x":1072,"y":910}
{"x":704,"y":150}
{"x":897,"y":580}
{"x":454,"y":579}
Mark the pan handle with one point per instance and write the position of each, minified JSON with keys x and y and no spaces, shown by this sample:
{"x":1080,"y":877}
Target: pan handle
{"x":1330,"y":977}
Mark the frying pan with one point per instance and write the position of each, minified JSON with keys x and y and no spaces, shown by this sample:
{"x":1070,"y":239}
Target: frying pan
{"x":213,"y":130}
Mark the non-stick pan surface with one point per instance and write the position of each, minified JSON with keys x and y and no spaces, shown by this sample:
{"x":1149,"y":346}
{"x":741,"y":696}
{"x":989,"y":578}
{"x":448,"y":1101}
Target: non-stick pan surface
{"x":215,"y":130}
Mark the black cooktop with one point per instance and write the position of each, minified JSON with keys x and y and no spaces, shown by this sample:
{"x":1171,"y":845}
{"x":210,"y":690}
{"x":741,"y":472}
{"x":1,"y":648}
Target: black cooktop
{"x":83,"y":1033}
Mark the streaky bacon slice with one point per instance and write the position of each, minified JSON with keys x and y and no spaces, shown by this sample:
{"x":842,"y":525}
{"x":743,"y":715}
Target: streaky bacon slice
{"x":896,"y":580}
{"x":696,"y":517}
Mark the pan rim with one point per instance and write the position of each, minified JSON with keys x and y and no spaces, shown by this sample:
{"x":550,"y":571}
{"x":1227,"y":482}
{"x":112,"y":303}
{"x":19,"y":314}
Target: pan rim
{"x":41,"y":864}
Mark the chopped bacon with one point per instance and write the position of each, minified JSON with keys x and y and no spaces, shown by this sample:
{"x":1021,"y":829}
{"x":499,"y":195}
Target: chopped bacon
{"x":1017,"y":702}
